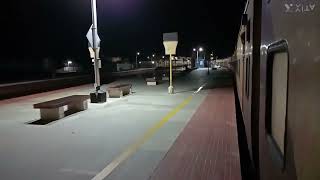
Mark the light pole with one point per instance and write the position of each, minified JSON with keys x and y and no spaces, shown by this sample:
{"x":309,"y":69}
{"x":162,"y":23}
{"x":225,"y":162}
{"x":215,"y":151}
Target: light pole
{"x":152,"y":58}
{"x":69,"y":63}
{"x":99,"y":96}
{"x":137,"y":54}
{"x":208,"y":63}
{"x":195,"y":50}
{"x":198,"y":50}
{"x":211,"y":59}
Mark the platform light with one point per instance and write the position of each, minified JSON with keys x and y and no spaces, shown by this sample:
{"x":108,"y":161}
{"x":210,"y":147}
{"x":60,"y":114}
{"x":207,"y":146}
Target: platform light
{"x":138,"y":54}
{"x":153,"y":55}
{"x":200,"y":49}
{"x":194,"y":49}
{"x":152,"y":62}
{"x":140,"y":62}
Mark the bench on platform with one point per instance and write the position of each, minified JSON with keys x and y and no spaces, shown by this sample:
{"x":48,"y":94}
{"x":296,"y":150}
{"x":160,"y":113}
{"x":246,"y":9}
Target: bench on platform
{"x":120,"y":90}
{"x":54,"y":109}
{"x":153,"y":81}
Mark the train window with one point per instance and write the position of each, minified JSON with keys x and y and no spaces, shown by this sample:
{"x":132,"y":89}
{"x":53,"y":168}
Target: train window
{"x":276,"y":100}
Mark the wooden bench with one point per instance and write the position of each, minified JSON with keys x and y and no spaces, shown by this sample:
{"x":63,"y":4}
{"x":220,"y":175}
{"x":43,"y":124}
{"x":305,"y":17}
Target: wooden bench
{"x":54,"y":109}
{"x":120,"y":90}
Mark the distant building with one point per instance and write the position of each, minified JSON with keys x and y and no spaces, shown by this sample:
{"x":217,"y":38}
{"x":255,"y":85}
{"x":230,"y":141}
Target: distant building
{"x":69,"y":66}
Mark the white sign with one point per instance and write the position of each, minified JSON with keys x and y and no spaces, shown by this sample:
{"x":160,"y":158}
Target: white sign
{"x":171,"y":47}
{"x":170,"y":42}
{"x":90,"y":38}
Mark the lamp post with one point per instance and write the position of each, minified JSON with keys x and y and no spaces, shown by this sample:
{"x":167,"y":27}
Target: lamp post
{"x":98,"y":96}
{"x":137,"y":54}
{"x":152,"y":58}
{"x":211,"y":59}
{"x":197,"y":59}
{"x":198,"y":50}
{"x":211,"y":56}
{"x":69,"y":63}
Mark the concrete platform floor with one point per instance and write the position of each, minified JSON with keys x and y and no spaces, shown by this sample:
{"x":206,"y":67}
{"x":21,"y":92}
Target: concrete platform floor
{"x":85,"y":144}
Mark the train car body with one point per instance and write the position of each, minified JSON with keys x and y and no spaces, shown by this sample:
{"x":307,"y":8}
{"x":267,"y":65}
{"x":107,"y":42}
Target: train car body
{"x":277,"y":70}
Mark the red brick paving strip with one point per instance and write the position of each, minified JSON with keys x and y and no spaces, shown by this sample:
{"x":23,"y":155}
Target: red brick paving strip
{"x":208,"y":146}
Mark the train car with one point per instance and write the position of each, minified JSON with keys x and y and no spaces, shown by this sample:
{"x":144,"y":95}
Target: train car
{"x":277,"y":73}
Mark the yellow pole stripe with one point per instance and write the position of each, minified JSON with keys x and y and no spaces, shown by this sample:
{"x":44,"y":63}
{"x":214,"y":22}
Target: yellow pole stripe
{"x":134,"y":147}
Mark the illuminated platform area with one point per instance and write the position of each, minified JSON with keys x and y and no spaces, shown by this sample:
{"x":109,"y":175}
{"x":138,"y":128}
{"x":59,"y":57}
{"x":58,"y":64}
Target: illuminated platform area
{"x":148,"y":134}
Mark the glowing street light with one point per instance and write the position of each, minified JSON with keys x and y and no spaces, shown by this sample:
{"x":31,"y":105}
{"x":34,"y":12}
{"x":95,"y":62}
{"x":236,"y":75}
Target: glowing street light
{"x":138,"y":54}
{"x":198,"y":50}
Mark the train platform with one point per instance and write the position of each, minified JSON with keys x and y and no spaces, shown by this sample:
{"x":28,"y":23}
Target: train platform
{"x":134,"y":137}
{"x":208,"y":146}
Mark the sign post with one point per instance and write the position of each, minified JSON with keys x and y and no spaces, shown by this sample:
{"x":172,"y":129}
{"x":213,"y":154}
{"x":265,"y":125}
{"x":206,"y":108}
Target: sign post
{"x":98,"y":96}
{"x":170,"y":42}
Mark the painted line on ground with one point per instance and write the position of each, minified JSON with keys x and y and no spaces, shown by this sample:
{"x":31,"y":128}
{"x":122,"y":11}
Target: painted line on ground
{"x":135,"y":146}
{"x":200,"y":88}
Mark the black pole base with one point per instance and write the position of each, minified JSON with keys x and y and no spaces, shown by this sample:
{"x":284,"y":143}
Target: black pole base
{"x":98,"y":97}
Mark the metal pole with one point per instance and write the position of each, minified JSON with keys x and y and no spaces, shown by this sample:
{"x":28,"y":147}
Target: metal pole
{"x":170,"y":70}
{"x":95,"y":44}
{"x":208,"y":67}
{"x":197,"y":56}
{"x":171,"y":91}
{"x":136,"y":61}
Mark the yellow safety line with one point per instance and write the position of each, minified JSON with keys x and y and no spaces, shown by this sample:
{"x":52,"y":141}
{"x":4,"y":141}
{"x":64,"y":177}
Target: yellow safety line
{"x":134,"y":147}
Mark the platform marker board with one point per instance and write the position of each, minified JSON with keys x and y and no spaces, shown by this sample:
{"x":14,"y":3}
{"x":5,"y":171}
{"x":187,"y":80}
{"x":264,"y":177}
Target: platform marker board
{"x":90,"y":38}
{"x":170,"y":42}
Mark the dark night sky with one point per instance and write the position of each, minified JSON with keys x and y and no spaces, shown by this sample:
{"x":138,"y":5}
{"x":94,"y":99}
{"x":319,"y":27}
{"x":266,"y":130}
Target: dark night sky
{"x":57,"y":28}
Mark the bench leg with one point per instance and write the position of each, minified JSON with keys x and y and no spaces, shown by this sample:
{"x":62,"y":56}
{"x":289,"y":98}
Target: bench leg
{"x":52,"y":114}
{"x":80,"y":106}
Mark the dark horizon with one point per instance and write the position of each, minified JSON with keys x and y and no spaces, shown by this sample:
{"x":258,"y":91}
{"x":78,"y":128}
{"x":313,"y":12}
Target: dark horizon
{"x":57,"y":29}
